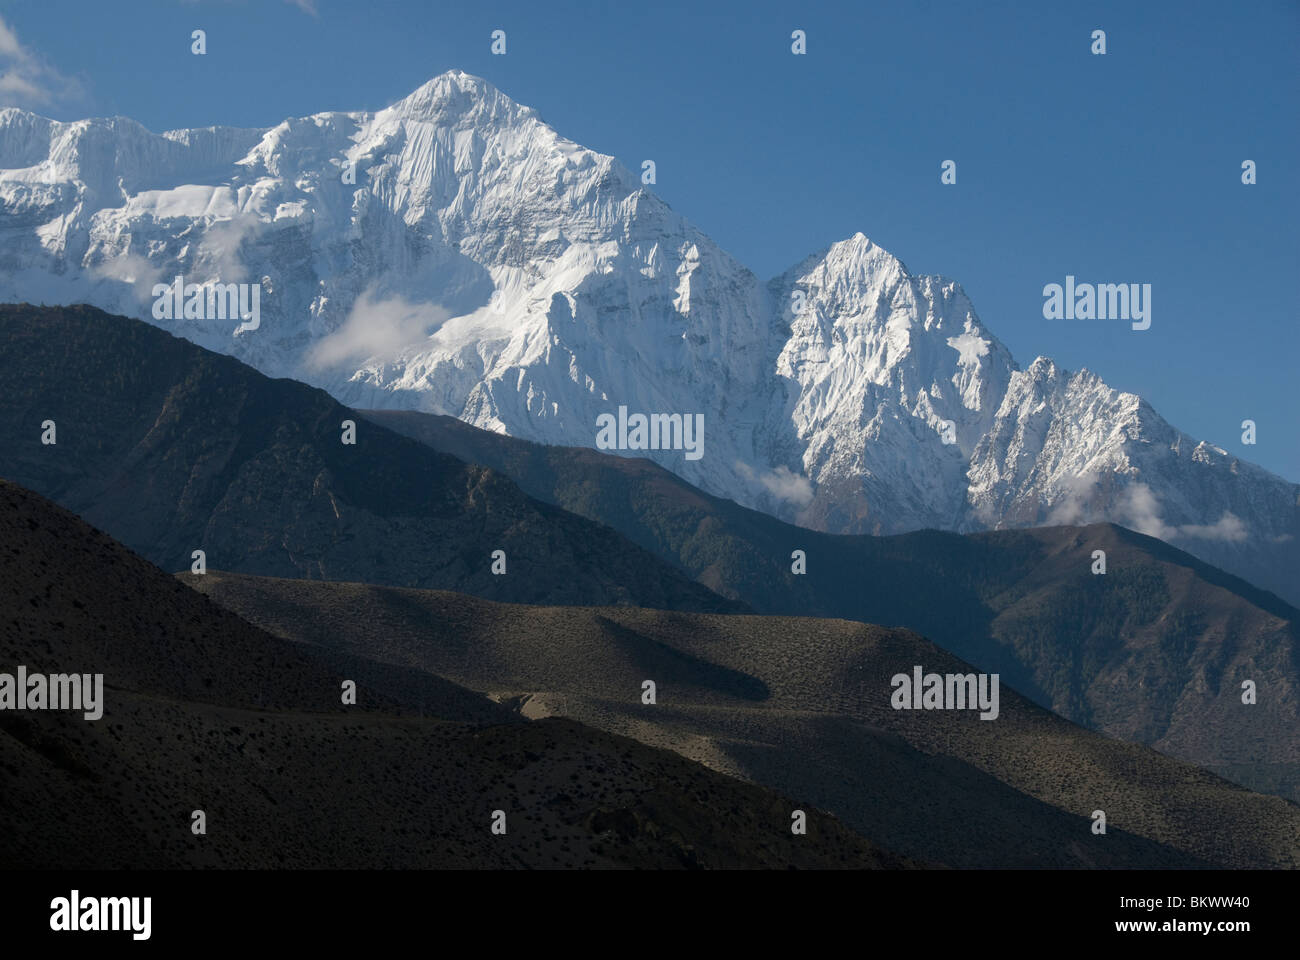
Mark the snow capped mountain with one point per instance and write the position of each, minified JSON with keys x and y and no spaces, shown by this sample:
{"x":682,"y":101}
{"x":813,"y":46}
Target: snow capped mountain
{"x":877,"y":365}
{"x":454,"y":254}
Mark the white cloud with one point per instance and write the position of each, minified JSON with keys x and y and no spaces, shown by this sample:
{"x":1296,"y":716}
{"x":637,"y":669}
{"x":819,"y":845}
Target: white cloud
{"x":1227,"y":528}
{"x":1073,"y":507}
{"x":27,"y":79}
{"x":306,"y":6}
{"x":133,"y":270}
{"x":782,"y":483}
{"x":1139,"y":509}
{"x":218,"y":252}
{"x":375,"y":328}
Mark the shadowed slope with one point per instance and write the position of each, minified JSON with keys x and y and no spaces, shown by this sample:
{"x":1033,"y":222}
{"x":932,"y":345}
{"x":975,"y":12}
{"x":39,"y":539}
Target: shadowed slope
{"x":1155,"y":651}
{"x":943,"y":784}
{"x":203,"y":711}
{"x":171,"y":448}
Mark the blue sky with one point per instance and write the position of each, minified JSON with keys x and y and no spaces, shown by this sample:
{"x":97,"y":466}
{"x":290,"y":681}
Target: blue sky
{"x":1117,"y":168}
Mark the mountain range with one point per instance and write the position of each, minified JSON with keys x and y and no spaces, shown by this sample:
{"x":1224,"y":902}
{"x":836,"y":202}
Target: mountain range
{"x":170,"y":448}
{"x":452,"y":254}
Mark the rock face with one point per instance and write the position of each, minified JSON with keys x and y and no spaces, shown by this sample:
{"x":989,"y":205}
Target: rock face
{"x":453,"y":254}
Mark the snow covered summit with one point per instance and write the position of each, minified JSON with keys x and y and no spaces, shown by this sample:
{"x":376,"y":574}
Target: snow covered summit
{"x":452,"y":253}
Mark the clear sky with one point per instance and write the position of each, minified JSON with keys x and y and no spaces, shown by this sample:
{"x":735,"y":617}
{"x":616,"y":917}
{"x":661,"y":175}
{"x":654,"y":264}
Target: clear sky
{"x":1117,"y":168}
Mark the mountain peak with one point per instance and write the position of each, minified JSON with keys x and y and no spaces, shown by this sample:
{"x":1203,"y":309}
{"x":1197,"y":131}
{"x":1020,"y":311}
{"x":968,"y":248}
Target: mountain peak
{"x":454,"y":95}
{"x":560,"y":287}
{"x":860,"y":257}
{"x":855,"y":261}
{"x":859,"y":249}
